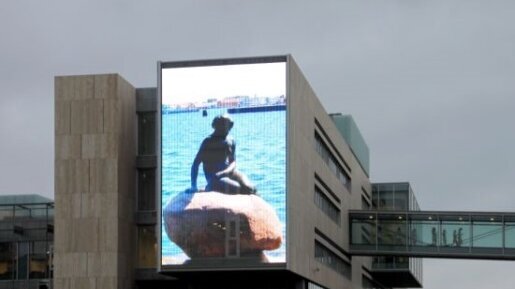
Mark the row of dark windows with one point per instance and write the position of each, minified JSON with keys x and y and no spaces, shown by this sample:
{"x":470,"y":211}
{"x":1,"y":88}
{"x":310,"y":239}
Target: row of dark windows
{"x":327,"y":206}
{"x":327,"y":257}
{"x":332,"y":162}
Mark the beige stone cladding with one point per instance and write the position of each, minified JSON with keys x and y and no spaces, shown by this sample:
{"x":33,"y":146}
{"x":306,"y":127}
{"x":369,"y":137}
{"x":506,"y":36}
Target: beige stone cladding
{"x":94,"y":181}
{"x":304,"y":217}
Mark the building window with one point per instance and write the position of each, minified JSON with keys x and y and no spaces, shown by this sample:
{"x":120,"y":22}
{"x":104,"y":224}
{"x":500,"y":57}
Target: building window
{"x":365,"y":205}
{"x":392,"y":231}
{"x":23,"y":260}
{"x":327,"y":257}
{"x":38,"y":265}
{"x":363,"y":230}
{"x":7,"y":261}
{"x":147,"y":133}
{"x":6,"y":213}
{"x":390,"y":262}
{"x":332,"y":162}
{"x":327,"y":206}
{"x":147,"y":190}
{"x":147,"y":247}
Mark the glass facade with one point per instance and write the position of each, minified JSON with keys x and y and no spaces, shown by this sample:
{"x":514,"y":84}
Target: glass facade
{"x":487,"y":232}
{"x":350,"y":132}
{"x":509,"y":233}
{"x":457,"y":230}
{"x":391,"y":231}
{"x":435,"y":233}
{"x":26,"y":239}
{"x":7,"y":261}
{"x":391,"y":262}
{"x":38,"y":260}
{"x":363,"y":229}
{"x":394,"y":196}
{"x":423,"y":231}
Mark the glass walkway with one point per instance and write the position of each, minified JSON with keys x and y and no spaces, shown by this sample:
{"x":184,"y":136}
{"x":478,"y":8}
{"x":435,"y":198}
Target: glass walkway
{"x":433,"y":234}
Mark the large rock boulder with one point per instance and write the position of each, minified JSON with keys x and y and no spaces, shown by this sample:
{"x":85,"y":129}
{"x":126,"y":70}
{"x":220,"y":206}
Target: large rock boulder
{"x":202,"y":224}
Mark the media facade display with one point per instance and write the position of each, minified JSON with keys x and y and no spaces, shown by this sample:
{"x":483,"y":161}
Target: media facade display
{"x":223,"y":165}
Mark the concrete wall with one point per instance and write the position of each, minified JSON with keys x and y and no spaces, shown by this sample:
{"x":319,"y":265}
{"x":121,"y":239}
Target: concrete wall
{"x":94,"y":182}
{"x":304,"y":161}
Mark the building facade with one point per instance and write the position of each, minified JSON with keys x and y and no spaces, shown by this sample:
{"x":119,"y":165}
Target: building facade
{"x":106,"y":192}
{"x":26,"y":241}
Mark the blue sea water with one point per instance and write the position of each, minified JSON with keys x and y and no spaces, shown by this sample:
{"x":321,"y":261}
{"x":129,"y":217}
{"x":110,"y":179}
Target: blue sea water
{"x":260,"y":154}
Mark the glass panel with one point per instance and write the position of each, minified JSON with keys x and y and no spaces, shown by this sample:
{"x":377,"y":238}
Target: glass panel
{"x":424,"y":231}
{"x":457,"y":230}
{"x":487,"y":232}
{"x":509,"y":231}
{"x":147,"y":133}
{"x":383,"y":262}
{"x":391,"y":230}
{"x":386,"y":197}
{"x":147,"y":247}
{"x":23,"y":257}
{"x":147,"y":190}
{"x":38,"y":266}
{"x":50,"y":211}
{"x":39,"y":212}
{"x":413,"y":201}
{"x":390,"y":262}
{"x":21,"y":215}
{"x":7,"y":261}
{"x":401,"y":201}
{"x":6,"y":213}
{"x":401,"y":262}
{"x":363,"y":230}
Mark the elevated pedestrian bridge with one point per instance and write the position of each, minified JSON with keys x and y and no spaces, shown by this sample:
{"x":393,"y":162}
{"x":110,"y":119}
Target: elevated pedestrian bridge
{"x":436,"y":234}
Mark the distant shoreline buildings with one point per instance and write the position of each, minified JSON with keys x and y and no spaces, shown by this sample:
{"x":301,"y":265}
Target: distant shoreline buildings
{"x":227,"y":102}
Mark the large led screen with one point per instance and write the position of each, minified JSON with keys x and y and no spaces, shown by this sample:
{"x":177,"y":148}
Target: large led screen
{"x":223,"y":165}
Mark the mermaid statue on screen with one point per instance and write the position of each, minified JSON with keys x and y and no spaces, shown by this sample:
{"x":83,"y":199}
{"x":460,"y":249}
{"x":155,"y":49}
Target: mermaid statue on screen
{"x":217,"y":155}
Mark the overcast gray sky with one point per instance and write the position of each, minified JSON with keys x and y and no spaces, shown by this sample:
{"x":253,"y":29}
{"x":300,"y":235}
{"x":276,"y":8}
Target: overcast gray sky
{"x":431,"y":85}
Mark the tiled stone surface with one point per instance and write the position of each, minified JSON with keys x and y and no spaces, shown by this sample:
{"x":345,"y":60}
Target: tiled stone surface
{"x":94,"y":175}
{"x":303,"y":161}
